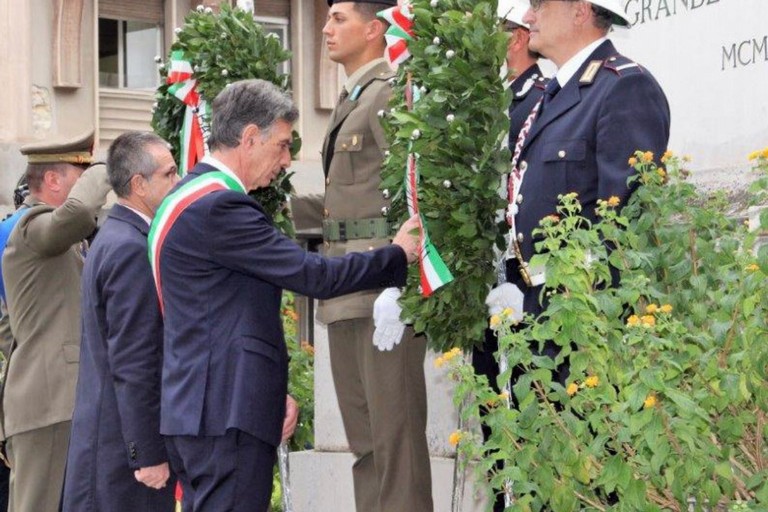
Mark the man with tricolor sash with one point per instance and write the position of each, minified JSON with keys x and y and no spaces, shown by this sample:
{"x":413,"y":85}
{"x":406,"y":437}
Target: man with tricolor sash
{"x":220,"y":267}
{"x":379,"y":379}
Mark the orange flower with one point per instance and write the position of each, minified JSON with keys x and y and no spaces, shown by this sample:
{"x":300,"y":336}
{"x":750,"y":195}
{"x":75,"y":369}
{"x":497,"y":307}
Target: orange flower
{"x":754,"y":267}
{"x":592,"y":381}
{"x":661,"y":172}
{"x":291,"y":314}
{"x":647,"y":157}
{"x":651,"y":308}
{"x":614,"y":201}
{"x":572,"y":389}
{"x":455,"y":437}
{"x":632,"y":161}
{"x":650,"y":401}
{"x":306,"y":347}
{"x":495,"y":320}
{"x":648,"y":320}
{"x":633,"y":321}
{"x":666,"y":308}
{"x":666,"y":156}
{"x":439,"y":362}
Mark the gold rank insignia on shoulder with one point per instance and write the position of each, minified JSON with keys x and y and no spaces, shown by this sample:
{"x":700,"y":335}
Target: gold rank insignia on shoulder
{"x":589,"y":74}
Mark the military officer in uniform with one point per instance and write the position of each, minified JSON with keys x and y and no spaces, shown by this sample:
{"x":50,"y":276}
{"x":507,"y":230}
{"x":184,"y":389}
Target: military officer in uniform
{"x":595,"y":113}
{"x":42,"y":264}
{"x":525,"y":76}
{"x":381,"y":394}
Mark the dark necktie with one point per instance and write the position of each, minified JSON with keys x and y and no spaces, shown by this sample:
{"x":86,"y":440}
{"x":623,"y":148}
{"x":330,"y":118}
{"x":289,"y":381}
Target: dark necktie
{"x":552,"y":88}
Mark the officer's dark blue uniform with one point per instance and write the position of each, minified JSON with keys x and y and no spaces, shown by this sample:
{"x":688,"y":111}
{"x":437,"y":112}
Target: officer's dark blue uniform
{"x":526,"y":91}
{"x":581,"y":142}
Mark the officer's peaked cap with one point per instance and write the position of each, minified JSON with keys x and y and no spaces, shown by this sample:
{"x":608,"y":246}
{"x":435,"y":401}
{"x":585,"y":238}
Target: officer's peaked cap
{"x":513,"y":11}
{"x":619,"y":16}
{"x":386,"y":2}
{"x":71,"y":150}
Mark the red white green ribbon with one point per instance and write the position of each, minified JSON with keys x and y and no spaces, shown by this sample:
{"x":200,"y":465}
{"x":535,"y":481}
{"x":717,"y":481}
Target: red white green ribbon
{"x":433,"y":270}
{"x":173,"y":206}
{"x":184,"y":86}
{"x":400,"y":18}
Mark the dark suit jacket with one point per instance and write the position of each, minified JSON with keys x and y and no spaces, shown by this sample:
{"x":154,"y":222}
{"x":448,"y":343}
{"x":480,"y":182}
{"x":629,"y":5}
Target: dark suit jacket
{"x":116,"y":422}
{"x":527,"y":88}
{"x":223,"y":267}
{"x":581,"y":142}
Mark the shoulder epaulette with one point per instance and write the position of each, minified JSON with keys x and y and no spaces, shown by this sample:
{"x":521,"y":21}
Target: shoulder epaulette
{"x":620,"y":65}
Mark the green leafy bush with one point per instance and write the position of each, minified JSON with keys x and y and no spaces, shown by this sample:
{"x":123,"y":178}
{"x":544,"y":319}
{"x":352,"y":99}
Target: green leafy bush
{"x":666,"y":404}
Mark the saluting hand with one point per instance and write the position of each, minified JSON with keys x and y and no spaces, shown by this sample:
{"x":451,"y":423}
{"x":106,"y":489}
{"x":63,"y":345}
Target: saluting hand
{"x":407,"y":238}
{"x":153,"y":476}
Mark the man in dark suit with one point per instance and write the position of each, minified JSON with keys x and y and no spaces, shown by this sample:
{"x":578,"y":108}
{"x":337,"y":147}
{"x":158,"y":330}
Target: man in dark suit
{"x":220,"y":268}
{"x":117,"y":460}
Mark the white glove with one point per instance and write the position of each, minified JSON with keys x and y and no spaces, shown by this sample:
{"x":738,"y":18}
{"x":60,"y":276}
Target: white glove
{"x":506,"y":295}
{"x":386,"y":318}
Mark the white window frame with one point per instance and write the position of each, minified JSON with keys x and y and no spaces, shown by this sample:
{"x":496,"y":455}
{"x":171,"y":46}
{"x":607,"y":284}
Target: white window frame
{"x":283,"y":25}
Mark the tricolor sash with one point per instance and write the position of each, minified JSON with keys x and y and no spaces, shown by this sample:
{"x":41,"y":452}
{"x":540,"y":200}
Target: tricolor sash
{"x":173,"y":206}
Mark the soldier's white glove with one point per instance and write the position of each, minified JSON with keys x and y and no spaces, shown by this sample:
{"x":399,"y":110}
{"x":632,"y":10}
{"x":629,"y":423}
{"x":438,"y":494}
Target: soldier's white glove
{"x":506,"y":295}
{"x":386,"y":318}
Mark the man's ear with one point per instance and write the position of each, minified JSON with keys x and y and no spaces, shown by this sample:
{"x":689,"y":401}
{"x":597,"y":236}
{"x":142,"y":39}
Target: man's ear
{"x":522,"y":37}
{"x":52,"y":180}
{"x":250,"y":135}
{"x":375,"y":29}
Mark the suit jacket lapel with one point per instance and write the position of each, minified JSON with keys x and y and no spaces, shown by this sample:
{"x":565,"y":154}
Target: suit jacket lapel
{"x":570,"y":94}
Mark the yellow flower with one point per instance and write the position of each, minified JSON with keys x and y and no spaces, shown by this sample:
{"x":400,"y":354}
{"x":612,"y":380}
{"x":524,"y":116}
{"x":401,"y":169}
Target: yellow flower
{"x":661,"y":172}
{"x":507,"y":312}
{"x":439,"y":362}
{"x":753,"y":155}
{"x":764,"y":153}
{"x":666,"y":156}
{"x":632,"y":161}
{"x":572,"y":389}
{"x":306,"y":347}
{"x":647,"y":157}
{"x":753,"y":267}
{"x":447,"y":356}
{"x":503,"y":395}
{"x":633,"y":320}
{"x":592,"y":381}
{"x":454,"y":438}
{"x":554,"y":219}
{"x":648,"y":320}
{"x":495,"y":320}
{"x":614,"y":201}
{"x":666,"y":308}
{"x":651,"y":308}
{"x":650,"y":401}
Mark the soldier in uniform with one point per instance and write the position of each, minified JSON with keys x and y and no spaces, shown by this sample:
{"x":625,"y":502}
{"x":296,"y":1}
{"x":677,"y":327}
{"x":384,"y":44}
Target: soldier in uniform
{"x":41,"y":268}
{"x":525,"y":77}
{"x":381,"y":394}
{"x":596,"y":112}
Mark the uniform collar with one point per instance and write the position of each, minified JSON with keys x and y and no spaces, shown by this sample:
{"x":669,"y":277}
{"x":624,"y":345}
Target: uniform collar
{"x":570,"y":68}
{"x":354,"y":78}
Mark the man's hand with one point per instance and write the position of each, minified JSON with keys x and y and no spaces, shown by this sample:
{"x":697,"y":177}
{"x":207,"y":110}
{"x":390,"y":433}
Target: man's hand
{"x":291,"y":417}
{"x":386,"y":318}
{"x":504,"y":296}
{"x":153,"y":476}
{"x":407,"y":238}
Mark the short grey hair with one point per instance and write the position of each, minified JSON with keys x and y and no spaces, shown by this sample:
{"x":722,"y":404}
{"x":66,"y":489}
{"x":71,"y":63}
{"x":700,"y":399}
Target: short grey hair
{"x":247,"y":102}
{"x":127,"y":156}
{"x":604,"y":19}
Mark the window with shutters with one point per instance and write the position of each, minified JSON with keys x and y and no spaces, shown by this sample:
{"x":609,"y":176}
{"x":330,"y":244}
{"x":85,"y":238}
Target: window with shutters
{"x":130,"y":36}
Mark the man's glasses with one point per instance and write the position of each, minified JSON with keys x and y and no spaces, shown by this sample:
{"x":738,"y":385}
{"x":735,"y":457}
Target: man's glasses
{"x":538,"y":4}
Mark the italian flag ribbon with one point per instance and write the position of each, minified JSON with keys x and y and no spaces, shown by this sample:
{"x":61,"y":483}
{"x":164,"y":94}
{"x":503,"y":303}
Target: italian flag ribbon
{"x":433,"y":271}
{"x":173,"y":206}
{"x":400,"y":32}
{"x":183,"y":86}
